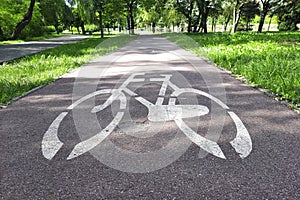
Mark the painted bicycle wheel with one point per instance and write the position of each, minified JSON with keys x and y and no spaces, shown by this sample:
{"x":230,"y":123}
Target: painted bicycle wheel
{"x":241,"y":143}
{"x":51,"y":142}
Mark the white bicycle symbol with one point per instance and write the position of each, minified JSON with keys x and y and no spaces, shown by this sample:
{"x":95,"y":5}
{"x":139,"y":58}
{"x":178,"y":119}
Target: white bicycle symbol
{"x":157,"y":112}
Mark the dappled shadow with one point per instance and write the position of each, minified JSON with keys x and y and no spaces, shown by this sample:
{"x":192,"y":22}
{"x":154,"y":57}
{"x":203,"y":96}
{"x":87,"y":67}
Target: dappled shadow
{"x":273,"y":129}
{"x":269,"y":171}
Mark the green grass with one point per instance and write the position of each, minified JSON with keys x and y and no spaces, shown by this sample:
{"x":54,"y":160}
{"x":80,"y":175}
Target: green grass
{"x":29,"y":72}
{"x":268,"y":60}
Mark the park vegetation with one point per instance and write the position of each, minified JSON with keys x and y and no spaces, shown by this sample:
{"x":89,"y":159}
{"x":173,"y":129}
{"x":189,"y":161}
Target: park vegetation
{"x":28,"y":18}
{"x":22,"y":75}
{"x":269,"y":61}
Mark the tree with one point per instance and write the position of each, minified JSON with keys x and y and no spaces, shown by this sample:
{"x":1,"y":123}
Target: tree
{"x":77,"y":20}
{"x":266,"y":7}
{"x":131,"y":6}
{"x":115,"y":12}
{"x":216,"y":11}
{"x":248,"y":12}
{"x":56,"y":13}
{"x":186,"y":8}
{"x":288,"y":12}
{"x":85,"y":12}
{"x":1,"y":34}
{"x":204,"y":7}
{"x":98,"y":7}
{"x":170,"y":15}
{"x":24,"y":22}
{"x":236,"y":14}
{"x":227,"y":9}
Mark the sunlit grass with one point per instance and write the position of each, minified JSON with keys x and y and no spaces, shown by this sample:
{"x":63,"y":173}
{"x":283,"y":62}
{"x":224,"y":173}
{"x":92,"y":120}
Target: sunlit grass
{"x":269,"y":60}
{"x":29,"y":72}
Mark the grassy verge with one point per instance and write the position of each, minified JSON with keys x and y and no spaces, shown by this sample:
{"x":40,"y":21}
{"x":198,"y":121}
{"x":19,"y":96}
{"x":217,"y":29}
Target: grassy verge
{"x":53,"y":35}
{"x":268,"y":60}
{"x":29,"y":72}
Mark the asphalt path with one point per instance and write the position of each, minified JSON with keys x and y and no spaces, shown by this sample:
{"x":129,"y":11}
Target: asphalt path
{"x":66,"y":141}
{"x":10,"y":52}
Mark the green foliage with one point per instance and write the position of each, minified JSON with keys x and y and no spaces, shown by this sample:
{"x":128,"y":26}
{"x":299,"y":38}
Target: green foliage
{"x":288,"y":12}
{"x":193,"y":14}
{"x":24,"y":74}
{"x":35,"y":28}
{"x":45,"y":13}
{"x":270,"y":60}
{"x":11,"y":12}
{"x":56,"y":13}
{"x":249,"y":11}
{"x":92,"y":27}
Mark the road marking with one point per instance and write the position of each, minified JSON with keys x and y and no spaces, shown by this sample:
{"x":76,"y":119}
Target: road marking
{"x":242,"y":142}
{"x":114,"y":96}
{"x":163,"y":113}
{"x":179,"y":91}
{"x":156,"y":113}
{"x":92,"y":142}
{"x":76,"y":103}
{"x":202,"y":142}
{"x":51,"y":143}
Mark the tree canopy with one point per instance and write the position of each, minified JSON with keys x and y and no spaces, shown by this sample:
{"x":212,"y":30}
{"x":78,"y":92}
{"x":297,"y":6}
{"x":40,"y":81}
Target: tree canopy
{"x":22,"y":18}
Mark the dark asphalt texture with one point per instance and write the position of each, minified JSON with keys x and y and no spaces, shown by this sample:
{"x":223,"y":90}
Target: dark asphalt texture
{"x":9,"y":52}
{"x":271,"y":171}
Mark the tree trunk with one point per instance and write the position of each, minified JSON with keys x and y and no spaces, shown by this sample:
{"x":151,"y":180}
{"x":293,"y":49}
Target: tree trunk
{"x":131,"y":18}
{"x":82,"y":27}
{"x":101,"y":23}
{"x":205,"y":25}
{"x":1,"y":34}
{"x":204,"y":19}
{"x":24,"y":22}
{"x":236,"y":18}
{"x":270,"y":22}
{"x":128,"y":24}
{"x":196,"y":27}
{"x":226,"y":23}
{"x":263,"y":15}
{"x":56,"y":26}
{"x":190,"y":17}
{"x":132,"y":23}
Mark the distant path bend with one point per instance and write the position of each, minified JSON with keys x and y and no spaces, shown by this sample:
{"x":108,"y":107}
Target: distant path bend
{"x":9,"y":52}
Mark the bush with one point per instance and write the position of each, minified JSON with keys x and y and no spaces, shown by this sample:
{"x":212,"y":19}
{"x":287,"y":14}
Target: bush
{"x":287,"y":26}
{"x":50,"y":29}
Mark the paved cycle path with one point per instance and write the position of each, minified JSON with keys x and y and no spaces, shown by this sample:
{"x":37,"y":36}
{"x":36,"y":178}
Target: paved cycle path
{"x":149,"y":121}
{"x":10,"y":52}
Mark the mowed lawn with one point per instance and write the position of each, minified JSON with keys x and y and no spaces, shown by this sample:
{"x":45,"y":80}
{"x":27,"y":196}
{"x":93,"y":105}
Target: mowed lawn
{"x":22,"y":75}
{"x":267,"y":60}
